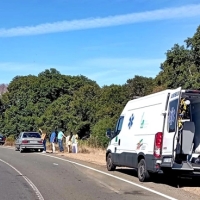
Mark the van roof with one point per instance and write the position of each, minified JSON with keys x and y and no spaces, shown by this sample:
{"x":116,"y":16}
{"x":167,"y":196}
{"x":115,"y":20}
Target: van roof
{"x":161,"y":95}
{"x":188,"y":91}
{"x":137,"y":98}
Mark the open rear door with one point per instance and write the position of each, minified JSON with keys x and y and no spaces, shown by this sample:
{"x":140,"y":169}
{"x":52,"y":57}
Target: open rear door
{"x":171,"y":125}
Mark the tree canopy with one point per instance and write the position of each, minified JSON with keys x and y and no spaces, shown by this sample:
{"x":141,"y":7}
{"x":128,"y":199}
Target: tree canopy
{"x":78,"y":104}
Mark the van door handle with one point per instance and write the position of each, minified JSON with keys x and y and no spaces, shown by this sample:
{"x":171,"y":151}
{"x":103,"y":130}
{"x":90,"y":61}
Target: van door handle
{"x":119,"y":142}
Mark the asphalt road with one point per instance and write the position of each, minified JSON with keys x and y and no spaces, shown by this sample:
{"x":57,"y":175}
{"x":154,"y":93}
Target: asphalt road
{"x":41,"y":176}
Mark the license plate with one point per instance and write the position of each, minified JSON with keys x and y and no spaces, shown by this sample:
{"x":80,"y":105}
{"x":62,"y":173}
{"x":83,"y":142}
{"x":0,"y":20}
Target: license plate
{"x":32,"y":142}
{"x":0,"y":138}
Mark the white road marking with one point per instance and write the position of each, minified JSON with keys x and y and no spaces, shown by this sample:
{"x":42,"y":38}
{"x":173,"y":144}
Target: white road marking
{"x":35,"y":189}
{"x":7,"y":147}
{"x":113,"y":176}
{"x":55,"y":164}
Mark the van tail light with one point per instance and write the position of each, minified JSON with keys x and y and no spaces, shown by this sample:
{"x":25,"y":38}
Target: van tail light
{"x":158,"y":144}
{"x":24,"y":141}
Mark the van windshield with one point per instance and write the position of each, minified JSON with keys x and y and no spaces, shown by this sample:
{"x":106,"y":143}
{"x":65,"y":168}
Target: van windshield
{"x":119,"y":125}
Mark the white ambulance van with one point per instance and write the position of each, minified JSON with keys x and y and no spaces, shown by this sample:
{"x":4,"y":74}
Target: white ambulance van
{"x":158,"y":133}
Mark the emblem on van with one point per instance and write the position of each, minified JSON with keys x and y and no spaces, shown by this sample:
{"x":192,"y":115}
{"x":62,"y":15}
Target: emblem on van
{"x":172,"y":113}
{"x":139,"y":144}
{"x":131,"y":121}
{"x":142,"y":121}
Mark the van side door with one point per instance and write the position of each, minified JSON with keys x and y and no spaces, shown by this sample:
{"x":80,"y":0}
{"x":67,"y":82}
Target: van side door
{"x":171,"y":123}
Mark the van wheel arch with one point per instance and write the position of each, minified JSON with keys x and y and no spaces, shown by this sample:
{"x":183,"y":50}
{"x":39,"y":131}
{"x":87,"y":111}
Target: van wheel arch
{"x":140,"y":157}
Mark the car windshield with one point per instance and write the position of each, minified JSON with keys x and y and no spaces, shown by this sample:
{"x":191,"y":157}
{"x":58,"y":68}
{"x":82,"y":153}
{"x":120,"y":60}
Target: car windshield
{"x":31,"y":135}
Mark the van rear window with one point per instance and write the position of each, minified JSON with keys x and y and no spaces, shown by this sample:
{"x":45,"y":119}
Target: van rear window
{"x":172,"y":116}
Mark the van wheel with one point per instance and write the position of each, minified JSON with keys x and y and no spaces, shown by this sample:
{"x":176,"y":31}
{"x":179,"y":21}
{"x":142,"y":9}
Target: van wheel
{"x":109,"y":162}
{"x":143,"y":174}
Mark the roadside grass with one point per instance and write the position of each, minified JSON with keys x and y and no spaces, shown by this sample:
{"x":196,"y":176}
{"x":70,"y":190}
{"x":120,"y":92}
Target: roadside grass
{"x":10,"y":141}
{"x":83,"y":148}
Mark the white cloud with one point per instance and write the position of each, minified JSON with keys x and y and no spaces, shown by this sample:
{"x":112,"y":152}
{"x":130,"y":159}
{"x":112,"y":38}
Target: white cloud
{"x":90,"y":23}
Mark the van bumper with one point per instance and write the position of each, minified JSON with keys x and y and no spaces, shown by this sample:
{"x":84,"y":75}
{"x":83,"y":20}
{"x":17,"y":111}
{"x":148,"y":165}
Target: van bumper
{"x":187,"y":169}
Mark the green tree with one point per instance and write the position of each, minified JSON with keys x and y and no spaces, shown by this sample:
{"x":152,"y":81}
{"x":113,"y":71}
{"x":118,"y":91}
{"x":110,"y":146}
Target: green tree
{"x":194,"y":46}
{"x":139,"y":86}
{"x":181,"y":67}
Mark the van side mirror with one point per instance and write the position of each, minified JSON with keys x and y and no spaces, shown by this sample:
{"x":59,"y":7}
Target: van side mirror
{"x":109,"y":133}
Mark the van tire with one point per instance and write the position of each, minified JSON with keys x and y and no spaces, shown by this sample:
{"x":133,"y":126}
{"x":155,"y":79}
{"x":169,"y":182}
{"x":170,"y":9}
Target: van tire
{"x":143,"y":174}
{"x":109,"y":163}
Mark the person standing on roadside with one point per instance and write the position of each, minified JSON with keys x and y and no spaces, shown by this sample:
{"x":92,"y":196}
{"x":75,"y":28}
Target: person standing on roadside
{"x":53,"y":140}
{"x":43,"y":137}
{"x":75,"y":143}
{"x":60,"y":142}
{"x":68,"y":142}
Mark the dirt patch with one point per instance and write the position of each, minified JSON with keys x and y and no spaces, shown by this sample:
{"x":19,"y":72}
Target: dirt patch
{"x":96,"y":156}
{"x":193,"y":190}
{"x":92,"y":158}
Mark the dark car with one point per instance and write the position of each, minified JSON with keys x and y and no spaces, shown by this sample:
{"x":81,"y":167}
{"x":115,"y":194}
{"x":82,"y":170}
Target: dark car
{"x":2,"y":139}
{"x":29,"y":140}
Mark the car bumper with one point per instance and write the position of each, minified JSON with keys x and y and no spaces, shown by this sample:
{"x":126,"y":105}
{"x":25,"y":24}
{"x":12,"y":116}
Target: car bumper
{"x":32,"y":146}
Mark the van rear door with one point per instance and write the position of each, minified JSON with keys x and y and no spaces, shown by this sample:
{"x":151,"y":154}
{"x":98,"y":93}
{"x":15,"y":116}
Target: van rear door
{"x":171,"y":125}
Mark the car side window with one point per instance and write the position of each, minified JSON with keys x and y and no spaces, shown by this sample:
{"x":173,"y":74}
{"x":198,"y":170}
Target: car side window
{"x":119,"y":125}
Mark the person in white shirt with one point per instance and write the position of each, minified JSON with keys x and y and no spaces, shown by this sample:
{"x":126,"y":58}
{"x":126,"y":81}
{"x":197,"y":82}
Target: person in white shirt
{"x":74,"y":143}
{"x":68,"y":142}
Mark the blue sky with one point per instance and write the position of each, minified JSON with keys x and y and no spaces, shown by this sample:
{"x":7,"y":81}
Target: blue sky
{"x":108,"y":41}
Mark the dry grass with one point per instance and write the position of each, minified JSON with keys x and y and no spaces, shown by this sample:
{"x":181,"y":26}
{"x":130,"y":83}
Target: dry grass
{"x":10,"y":141}
{"x":82,"y":148}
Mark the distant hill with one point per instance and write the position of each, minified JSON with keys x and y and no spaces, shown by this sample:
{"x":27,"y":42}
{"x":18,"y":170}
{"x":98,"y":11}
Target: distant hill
{"x":3,"y":88}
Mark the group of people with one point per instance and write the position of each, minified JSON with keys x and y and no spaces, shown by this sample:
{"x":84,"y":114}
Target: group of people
{"x":57,"y":137}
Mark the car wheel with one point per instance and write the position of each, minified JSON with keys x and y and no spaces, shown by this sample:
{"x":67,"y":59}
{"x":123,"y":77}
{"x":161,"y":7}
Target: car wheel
{"x":109,"y":163}
{"x":143,"y":174}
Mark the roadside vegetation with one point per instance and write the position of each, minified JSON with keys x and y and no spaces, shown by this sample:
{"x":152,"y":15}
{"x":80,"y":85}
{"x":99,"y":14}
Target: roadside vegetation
{"x":78,"y":104}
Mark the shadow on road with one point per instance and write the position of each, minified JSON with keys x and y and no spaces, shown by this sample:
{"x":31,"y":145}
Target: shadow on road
{"x":167,"y":180}
{"x":30,"y":151}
